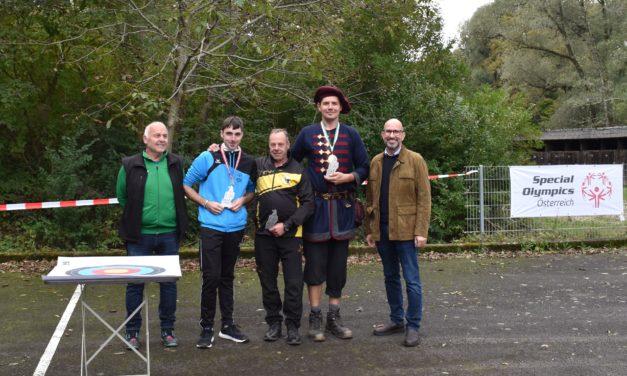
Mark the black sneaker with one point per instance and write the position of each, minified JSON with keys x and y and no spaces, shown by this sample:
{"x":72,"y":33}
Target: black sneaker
{"x":206,"y":339}
{"x":274,"y":332}
{"x":132,"y":336}
{"x":233,"y":333}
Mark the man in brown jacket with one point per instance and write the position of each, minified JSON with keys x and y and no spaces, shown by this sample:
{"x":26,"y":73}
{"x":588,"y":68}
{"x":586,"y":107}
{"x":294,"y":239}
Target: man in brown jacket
{"x":398,"y":210}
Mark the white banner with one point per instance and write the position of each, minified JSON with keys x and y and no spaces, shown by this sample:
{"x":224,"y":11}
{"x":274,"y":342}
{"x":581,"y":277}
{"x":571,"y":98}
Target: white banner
{"x":568,"y":190}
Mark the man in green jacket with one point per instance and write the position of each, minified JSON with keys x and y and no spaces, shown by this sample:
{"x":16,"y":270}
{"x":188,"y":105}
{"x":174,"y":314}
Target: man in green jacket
{"x":398,"y":206}
{"x":150,"y":189}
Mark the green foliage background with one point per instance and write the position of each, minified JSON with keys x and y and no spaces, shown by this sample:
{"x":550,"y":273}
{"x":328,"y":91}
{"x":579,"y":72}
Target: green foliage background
{"x":81,"y":80}
{"x":566,"y":59}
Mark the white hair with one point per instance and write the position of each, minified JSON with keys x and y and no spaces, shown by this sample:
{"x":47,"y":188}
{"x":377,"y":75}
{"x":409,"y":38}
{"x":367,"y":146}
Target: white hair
{"x":147,"y":129}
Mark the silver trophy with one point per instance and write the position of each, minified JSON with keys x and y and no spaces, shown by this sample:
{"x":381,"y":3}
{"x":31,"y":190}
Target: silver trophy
{"x":272,"y":220}
{"x":333,"y":165}
{"x":229,"y":195}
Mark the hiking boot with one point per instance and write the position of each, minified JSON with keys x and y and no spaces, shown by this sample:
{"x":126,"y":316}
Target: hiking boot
{"x":389,"y":328}
{"x":274,"y":332}
{"x":411,"y":337}
{"x":168,"y":338}
{"x":132,"y":336}
{"x":293,"y":336}
{"x":233,"y":333}
{"x":315,"y":326}
{"x":334,"y":325}
{"x":206,"y":339}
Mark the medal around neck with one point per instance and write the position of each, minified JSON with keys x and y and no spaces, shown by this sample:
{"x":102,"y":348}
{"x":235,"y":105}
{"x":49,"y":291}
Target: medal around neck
{"x":333,"y":165}
{"x":272,"y":220}
{"x":229,"y":195}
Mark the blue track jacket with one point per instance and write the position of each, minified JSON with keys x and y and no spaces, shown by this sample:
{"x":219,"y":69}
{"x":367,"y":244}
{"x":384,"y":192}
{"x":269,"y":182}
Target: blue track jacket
{"x":209,"y":170}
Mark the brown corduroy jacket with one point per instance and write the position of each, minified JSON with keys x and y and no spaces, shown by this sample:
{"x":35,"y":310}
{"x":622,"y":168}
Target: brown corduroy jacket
{"x":409,"y":201}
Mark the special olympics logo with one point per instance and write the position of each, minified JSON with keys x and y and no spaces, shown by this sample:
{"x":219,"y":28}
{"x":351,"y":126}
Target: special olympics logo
{"x":596,"y":187}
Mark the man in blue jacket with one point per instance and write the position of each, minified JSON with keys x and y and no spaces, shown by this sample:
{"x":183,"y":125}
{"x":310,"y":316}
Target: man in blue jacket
{"x":150,"y":189}
{"x":226,"y":179}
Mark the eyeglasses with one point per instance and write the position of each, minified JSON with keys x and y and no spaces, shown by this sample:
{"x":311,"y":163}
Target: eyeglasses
{"x":395,"y":132}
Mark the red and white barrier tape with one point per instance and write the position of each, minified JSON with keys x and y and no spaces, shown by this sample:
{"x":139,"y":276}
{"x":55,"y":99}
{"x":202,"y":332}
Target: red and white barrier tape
{"x":433,"y":177}
{"x":109,"y":201}
{"x":58,"y":204}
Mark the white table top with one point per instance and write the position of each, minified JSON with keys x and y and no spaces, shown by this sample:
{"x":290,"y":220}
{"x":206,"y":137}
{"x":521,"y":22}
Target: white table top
{"x":114,"y":269}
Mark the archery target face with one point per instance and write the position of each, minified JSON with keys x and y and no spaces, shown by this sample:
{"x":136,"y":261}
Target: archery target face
{"x":116,"y":270}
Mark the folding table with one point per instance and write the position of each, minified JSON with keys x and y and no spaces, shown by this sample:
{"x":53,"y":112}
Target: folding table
{"x":86,"y":271}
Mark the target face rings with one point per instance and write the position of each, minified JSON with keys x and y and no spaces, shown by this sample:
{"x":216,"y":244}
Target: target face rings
{"x":116,"y":271}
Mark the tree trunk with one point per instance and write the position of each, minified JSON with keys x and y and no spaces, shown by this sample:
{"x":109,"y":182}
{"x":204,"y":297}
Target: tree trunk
{"x":600,"y":64}
{"x":173,"y":116}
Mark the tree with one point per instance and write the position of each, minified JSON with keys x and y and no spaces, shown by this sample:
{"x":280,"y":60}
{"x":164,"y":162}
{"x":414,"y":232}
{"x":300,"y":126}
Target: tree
{"x":391,"y":62}
{"x":82,"y":79}
{"x":226,"y":52}
{"x":567,"y":57}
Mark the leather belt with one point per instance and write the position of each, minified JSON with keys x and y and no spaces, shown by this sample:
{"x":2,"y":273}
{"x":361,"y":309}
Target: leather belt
{"x":333,"y":195}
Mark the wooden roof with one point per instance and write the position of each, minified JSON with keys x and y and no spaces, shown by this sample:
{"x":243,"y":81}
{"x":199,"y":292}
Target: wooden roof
{"x":584,"y":133}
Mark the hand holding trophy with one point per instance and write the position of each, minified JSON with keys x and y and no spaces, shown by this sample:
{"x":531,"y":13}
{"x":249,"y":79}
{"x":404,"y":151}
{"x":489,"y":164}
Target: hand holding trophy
{"x":333,"y":165}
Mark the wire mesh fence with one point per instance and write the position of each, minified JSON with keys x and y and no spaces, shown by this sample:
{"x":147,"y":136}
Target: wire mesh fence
{"x":487,"y":195}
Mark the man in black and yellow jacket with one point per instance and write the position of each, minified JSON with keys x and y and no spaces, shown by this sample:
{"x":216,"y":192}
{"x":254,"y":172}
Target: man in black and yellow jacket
{"x":284,"y":201}
{"x":150,"y":189}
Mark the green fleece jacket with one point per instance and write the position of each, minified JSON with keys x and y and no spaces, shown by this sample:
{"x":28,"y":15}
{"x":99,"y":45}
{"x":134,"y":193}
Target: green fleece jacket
{"x":159,"y":213}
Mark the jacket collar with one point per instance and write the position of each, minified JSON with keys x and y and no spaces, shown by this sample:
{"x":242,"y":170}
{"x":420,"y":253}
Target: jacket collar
{"x":402,"y":154}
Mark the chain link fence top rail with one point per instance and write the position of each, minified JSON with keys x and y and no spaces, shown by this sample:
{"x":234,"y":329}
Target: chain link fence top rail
{"x":487,"y":197}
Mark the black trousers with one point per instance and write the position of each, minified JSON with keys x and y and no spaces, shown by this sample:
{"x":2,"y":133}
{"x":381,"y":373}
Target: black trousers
{"x":326,"y":262}
{"x":269,"y":252}
{"x":218,"y":254}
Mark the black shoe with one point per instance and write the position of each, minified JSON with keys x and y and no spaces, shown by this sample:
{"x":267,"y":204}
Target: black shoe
{"x":233,"y":333}
{"x":206,"y":339}
{"x":132,"y":337}
{"x":274,"y":332}
{"x":315,"y":326}
{"x":411,"y":337}
{"x":389,"y":328}
{"x":334,"y":325}
{"x":293,"y":336}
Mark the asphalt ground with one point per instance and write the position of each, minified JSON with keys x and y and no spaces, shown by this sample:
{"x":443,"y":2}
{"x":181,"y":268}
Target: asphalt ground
{"x":555,"y":314}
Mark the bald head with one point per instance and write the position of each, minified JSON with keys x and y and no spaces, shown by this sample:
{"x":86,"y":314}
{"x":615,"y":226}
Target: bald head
{"x":393,"y":122}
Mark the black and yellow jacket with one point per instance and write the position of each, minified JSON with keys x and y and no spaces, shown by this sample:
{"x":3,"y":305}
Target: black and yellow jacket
{"x":285,"y":189}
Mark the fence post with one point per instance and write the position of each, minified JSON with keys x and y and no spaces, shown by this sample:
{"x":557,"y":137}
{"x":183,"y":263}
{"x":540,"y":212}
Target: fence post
{"x":481,"y":208}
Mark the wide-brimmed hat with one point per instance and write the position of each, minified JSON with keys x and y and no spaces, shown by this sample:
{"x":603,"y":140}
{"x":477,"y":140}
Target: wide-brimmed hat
{"x":327,"y":91}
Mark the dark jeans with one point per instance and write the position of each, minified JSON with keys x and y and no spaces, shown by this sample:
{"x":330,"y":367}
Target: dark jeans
{"x":269,"y":251}
{"x":326,"y":262}
{"x":394,"y":255}
{"x":153,"y":245}
{"x":218,"y":254}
